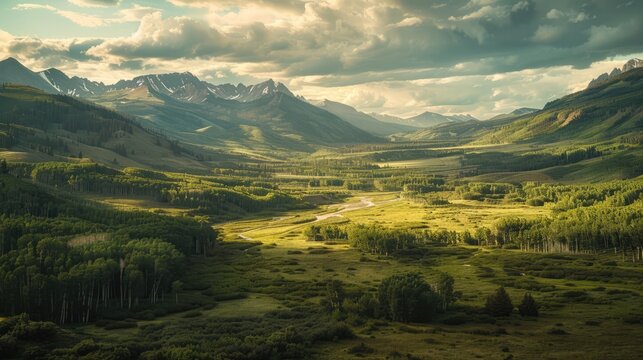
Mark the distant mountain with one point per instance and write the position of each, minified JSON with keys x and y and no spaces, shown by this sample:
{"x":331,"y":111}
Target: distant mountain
{"x":387,"y":118}
{"x":364,"y":121}
{"x":426,"y":119}
{"x":181,"y":86}
{"x":263,"y":117}
{"x":74,"y":86}
{"x":605,"y":77}
{"x":429,"y":119}
{"x":187,"y":87}
{"x":12,"y":71}
{"x":516,"y":113}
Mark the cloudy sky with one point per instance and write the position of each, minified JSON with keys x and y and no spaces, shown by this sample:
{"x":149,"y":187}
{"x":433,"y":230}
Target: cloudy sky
{"x":399,"y":57}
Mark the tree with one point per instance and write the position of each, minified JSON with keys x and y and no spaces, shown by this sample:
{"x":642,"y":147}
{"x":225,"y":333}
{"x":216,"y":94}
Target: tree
{"x":528,"y":306}
{"x":177,"y":286}
{"x":407,"y":297}
{"x":499,"y":303}
{"x":335,"y":294}
{"x":444,"y":287}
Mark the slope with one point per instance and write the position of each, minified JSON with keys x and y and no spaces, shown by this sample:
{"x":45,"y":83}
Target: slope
{"x":34,"y":125}
{"x":364,"y":121}
{"x":606,"y":112}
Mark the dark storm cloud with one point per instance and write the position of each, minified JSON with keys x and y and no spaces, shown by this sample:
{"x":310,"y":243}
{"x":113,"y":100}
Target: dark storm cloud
{"x":344,"y":38}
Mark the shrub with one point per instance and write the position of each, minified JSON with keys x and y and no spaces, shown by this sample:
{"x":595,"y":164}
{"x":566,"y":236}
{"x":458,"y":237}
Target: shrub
{"x":360,"y":349}
{"x":499,"y":303}
{"x":85,"y":347}
{"x":557,"y":331}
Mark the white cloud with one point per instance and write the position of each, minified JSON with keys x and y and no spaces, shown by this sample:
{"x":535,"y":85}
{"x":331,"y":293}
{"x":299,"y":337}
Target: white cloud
{"x":132,"y":14}
{"x":95,"y":3}
{"x":81,"y":19}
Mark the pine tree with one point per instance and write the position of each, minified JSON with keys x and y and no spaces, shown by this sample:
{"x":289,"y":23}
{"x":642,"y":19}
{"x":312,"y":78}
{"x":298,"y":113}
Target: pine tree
{"x":528,"y":306}
{"x":499,"y":303}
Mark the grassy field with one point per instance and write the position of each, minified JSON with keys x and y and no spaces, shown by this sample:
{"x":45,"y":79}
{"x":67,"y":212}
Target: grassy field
{"x":271,"y":267}
{"x":592,"y":315}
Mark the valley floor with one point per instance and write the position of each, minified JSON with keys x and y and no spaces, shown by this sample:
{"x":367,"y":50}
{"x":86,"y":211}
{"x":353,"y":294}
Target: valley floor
{"x":591,"y":304}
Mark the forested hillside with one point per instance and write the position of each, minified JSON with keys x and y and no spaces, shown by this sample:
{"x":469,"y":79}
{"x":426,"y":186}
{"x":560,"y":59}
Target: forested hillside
{"x":36,"y":125}
{"x":606,"y":112}
{"x":65,"y":259}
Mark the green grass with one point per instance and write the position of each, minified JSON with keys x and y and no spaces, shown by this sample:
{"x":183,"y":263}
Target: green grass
{"x":280,"y":272}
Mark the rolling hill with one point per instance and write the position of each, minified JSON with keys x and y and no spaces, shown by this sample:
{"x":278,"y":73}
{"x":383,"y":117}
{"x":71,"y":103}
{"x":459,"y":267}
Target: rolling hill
{"x":36,"y":126}
{"x":603,"y":112}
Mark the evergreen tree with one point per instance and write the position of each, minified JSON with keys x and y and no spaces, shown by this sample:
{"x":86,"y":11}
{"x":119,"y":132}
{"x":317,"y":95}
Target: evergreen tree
{"x":499,"y":303}
{"x":528,"y":306}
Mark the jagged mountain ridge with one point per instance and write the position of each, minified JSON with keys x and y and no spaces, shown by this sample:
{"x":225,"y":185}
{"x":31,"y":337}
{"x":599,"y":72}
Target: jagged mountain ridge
{"x":181,"y":86}
{"x":605,"y":77}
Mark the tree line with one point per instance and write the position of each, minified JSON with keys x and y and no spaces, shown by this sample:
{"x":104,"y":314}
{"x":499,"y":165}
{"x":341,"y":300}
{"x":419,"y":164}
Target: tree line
{"x":65,"y":260}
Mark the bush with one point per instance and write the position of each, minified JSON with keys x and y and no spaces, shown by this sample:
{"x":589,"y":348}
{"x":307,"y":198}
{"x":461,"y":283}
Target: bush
{"x":528,"y":306}
{"x":536,"y":202}
{"x":35,"y":330}
{"x":557,"y":331}
{"x":499,"y":303}
{"x":360,"y":349}
{"x":113,"y":325}
{"x":85,"y":347}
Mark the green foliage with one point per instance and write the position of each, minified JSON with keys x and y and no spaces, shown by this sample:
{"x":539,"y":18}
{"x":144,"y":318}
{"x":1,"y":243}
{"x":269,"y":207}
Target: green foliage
{"x":379,"y":240}
{"x":66,"y":260}
{"x":408,"y":298}
{"x":335,"y":295}
{"x":444,"y":288}
{"x":528,"y":306}
{"x":499,"y":303}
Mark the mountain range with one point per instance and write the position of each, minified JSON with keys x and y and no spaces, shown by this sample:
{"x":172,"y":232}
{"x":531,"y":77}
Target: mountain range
{"x":267,"y":119}
{"x":261,"y":117}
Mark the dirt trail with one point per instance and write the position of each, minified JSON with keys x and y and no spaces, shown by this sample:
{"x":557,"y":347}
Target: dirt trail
{"x":361,"y":204}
